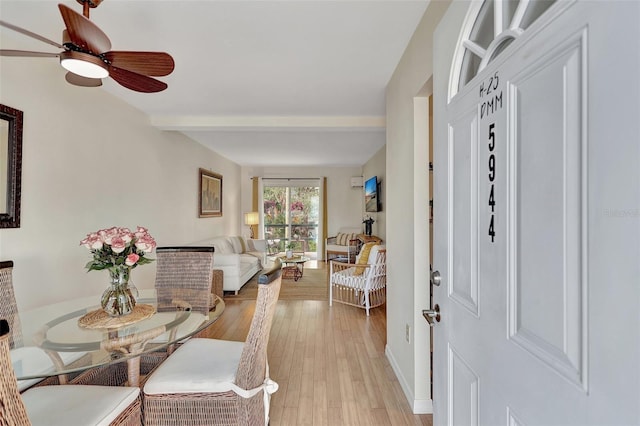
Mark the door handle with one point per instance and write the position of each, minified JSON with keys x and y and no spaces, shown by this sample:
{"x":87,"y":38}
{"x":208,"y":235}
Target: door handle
{"x":436,"y":278}
{"x":432,"y":315}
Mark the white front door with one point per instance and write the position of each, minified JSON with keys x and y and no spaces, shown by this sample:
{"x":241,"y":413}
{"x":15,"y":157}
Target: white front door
{"x":537,"y":226}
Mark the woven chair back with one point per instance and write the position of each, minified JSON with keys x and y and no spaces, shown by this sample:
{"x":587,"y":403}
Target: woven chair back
{"x":184,"y":274}
{"x":253,"y":362}
{"x":12,"y":410}
{"x":378,"y":271}
{"x":8,"y":307}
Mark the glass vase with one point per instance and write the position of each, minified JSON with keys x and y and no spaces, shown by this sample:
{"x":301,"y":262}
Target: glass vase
{"x":118,"y":300}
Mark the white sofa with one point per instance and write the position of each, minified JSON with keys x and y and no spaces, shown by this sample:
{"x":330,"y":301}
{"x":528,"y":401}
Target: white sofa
{"x":238,"y":258}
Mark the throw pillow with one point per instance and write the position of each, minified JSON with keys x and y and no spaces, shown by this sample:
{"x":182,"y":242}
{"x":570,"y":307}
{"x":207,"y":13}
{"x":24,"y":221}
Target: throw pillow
{"x":363,"y":258}
{"x":222,"y":246}
{"x":236,"y":243}
{"x":343,"y":239}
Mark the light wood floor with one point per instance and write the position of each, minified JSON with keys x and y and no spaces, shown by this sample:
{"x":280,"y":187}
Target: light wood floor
{"x":329,"y":363}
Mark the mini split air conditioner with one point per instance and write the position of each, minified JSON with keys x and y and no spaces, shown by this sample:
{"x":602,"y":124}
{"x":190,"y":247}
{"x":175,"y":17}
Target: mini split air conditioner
{"x":356,"y":182}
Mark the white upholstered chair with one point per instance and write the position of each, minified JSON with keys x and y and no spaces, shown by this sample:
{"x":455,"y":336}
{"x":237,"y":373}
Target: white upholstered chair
{"x":62,"y":404}
{"x":362,"y":284}
{"x":218,"y":382}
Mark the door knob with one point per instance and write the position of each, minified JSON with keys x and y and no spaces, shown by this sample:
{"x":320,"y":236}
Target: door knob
{"x":436,"y":278}
{"x":432,"y":315}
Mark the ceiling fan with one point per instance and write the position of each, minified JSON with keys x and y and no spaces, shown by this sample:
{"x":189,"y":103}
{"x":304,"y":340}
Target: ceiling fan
{"x":87,"y":56}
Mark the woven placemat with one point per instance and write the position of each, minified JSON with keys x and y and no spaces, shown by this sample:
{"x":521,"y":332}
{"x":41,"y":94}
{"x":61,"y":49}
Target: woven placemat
{"x":100,"y":319}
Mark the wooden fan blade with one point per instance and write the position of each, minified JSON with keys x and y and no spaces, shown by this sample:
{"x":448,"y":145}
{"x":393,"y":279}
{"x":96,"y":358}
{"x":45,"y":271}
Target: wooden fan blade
{"x":84,"y":33}
{"x":156,"y":64}
{"x":30,"y":34}
{"x":78,"y":80}
{"x":135,"y":81}
{"x":27,"y":54}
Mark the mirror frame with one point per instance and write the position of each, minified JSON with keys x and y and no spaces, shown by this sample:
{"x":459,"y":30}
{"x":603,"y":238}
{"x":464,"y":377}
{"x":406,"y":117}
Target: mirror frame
{"x":11,"y":219}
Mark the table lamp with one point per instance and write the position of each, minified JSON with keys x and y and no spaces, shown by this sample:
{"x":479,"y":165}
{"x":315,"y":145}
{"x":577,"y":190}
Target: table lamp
{"x":251,"y":219}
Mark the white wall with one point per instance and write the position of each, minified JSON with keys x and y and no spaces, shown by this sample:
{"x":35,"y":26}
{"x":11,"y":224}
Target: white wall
{"x":377,"y":166}
{"x":89,"y":162}
{"x":407,"y":278}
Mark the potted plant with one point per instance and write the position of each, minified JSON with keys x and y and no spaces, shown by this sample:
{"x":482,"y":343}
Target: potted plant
{"x":289,"y":251}
{"x":368,"y":221}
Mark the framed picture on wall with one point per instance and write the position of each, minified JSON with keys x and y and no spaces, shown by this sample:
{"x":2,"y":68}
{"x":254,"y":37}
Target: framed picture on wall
{"x":210,"y":194}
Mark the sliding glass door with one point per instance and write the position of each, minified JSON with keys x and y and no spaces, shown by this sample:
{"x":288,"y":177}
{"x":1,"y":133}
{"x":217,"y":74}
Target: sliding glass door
{"x":291,"y":215}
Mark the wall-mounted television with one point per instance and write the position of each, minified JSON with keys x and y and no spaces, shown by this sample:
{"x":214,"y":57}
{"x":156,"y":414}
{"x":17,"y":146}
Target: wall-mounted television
{"x":372,"y":195}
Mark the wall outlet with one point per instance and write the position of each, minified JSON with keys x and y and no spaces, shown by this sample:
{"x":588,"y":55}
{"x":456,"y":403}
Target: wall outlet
{"x":408,"y":333}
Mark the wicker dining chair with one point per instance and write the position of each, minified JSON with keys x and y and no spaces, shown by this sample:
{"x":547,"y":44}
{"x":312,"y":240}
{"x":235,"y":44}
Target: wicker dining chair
{"x":361,"y":284}
{"x":210,"y":381}
{"x":9,"y":311}
{"x":62,"y":405}
{"x":184,"y":273}
{"x":8,"y":306}
{"x":184,"y":276}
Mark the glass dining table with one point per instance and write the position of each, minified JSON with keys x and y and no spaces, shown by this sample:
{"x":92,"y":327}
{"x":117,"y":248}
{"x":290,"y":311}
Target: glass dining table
{"x":62,"y":338}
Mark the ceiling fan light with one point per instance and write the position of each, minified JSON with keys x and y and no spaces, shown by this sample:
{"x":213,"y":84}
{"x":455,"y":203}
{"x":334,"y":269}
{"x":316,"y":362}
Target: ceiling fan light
{"x":83,"y":64}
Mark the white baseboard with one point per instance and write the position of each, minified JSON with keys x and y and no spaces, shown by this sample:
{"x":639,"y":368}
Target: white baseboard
{"x":418,"y":406}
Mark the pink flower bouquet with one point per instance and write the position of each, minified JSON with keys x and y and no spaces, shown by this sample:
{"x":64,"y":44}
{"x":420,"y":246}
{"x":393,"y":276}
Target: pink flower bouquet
{"x":118,"y":248}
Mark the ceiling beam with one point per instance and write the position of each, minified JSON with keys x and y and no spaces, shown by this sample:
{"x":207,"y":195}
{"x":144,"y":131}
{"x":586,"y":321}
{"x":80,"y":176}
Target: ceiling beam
{"x":266,"y":123}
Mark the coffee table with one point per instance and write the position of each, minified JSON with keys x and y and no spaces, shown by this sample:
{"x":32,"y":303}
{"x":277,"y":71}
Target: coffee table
{"x":293,"y":266}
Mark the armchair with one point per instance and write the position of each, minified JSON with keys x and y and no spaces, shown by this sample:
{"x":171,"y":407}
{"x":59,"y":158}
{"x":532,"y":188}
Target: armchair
{"x":362,"y":284}
{"x":344,"y":244}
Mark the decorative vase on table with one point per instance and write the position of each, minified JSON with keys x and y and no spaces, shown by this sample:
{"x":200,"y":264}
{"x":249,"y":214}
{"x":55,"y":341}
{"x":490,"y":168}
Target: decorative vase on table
{"x":119,"y":250}
{"x":118,"y":299}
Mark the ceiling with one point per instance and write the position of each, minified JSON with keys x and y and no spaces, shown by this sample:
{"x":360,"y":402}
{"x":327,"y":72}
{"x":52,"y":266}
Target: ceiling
{"x":263,"y":83}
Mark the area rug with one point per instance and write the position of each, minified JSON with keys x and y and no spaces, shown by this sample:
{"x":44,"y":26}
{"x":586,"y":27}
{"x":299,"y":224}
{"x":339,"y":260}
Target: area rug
{"x":312,"y":286}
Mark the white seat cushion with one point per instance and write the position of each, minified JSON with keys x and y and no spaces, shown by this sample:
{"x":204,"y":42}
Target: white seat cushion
{"x":337,"y":248}
{"x":77,"y":405}
{"x":27,"y":383}
{"x":200,"y":365}
{"x":348,"y":278}
{"x":250,"y":259}
{"x":32,"y":360}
